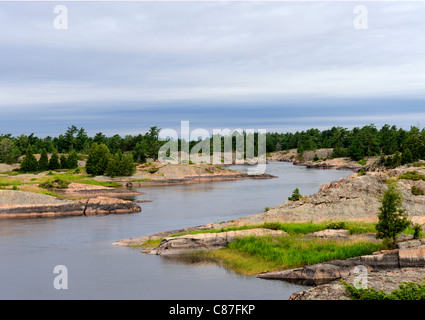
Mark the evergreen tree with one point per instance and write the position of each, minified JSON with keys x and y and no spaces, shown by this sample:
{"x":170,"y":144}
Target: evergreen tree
{"x":152,"y":143}
{"x":121,"y":165}
{"x":9,"y":152}
{"x":98,"y":159}
{"x":72,"y":161}
{"x":43,"y":163}
{"x":414,"y":144}
{"x":355,"y":151}
{"x":29,"y":163}
{"x":392,"y":217}
{"x":139,"y":152}
{"x":295,"y":195}
{"x":54,"y":162}
{"x":63,"y":162}
{"x":127,"y":164}
{"x":406,"y":157}
{"x":396,"y":160}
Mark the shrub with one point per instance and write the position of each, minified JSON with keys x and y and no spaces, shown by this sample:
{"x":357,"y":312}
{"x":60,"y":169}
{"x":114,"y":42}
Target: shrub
{"x":362,"y":172}
{"x":153,"y":170}
{"x":412,"y":175}
{"x":295,"y":195}
{"x":417,"y":191}
{"x":336,"y":225}
{"x":29,"y":163}
{"x":266,"y":209}
{"x":121,"y":165}
{"x":57,"y":183}
{"x":417,"y":230}
{"x":362,"y":162}
{"x":46,"y":185}
{"x":405,"y":291}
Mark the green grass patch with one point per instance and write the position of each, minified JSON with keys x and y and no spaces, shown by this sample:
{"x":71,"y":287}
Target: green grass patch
{"x":65,"y":179}
{"x":150,"y":243}
{"x":5,"y":182}
{"x":253,"y":255}
{"x":110,"y":184}
{"x":48,"y":193}
{"x":143,"y":179}
{"x":412,"y":175}
{"x":296,"y":228}
{"x":362,"y":162}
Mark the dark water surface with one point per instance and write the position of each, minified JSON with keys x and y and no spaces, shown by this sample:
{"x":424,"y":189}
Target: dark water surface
{"x":31,"y":248}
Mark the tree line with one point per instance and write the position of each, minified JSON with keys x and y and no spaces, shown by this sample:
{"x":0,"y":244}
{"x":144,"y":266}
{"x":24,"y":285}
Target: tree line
{"x":395,"y":145}
{"x":141,"y":146}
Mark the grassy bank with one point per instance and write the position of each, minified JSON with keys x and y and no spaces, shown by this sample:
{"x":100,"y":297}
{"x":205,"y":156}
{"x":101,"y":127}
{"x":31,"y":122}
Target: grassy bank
{"x":46,"y":183}
{"x":253,"y":255}
{"x":297,"y":228}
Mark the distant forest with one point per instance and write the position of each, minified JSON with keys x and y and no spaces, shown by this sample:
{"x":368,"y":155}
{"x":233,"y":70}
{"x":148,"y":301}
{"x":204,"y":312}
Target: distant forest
{"x":394,"y":145}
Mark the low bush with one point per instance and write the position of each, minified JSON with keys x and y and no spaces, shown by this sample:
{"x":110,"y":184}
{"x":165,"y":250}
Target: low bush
{"x":362,"y":172}
{"x":405,"y":291}
{"x":336,"y":225}
{"x":412,"y":175}
{"x":417,"y":191}
{"x":153,"y":170}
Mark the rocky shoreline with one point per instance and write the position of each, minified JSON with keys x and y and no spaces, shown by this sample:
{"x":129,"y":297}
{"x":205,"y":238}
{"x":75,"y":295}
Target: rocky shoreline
{"x":325,"y":161}
{"x":352,"y":198}
{"x":88,"y":199}
{"x":386,"y":280}
{"x":158,"y":174}
{"x":80,"y":190}
{"x":21,"y":204}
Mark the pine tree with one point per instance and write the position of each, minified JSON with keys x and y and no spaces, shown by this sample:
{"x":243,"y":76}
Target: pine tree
{"x":54,"y":162}
{"x":392,"y":217}
{"x":295,"y":195}
{"x":98,"y":159}
{"x":72,"y":161}
{"x":43,"y":163}
{"x":63,"y":162}
{"x":121,"y":165}
{"x":29,"y":163}
{"x":396,"y":160}
{"x":407,"y":156}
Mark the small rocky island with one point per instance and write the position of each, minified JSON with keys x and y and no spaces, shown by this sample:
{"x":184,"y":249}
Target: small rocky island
{"x":22,"y":204}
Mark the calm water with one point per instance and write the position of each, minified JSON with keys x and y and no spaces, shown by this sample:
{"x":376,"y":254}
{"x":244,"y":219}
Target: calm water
{"x":30,"y":249}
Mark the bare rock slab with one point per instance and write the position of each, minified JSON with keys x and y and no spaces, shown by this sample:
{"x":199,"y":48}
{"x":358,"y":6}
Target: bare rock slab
{"x":207,"y":241}
{"x":332,"y":270}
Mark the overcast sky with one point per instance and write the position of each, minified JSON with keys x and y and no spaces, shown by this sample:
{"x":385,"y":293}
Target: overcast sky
{"x":281,"y":66}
